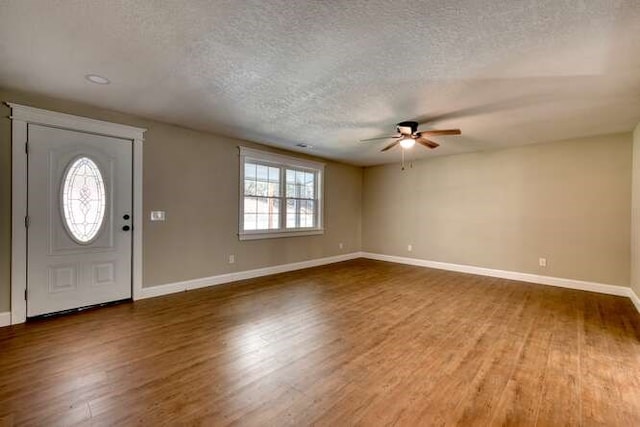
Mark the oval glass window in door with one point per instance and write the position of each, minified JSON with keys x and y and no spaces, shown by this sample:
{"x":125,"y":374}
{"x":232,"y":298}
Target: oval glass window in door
{"x":83,"y":200}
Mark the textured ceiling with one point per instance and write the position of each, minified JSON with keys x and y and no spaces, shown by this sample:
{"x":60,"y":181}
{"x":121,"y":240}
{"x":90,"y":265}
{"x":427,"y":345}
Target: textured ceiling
{"x":328,"y":73}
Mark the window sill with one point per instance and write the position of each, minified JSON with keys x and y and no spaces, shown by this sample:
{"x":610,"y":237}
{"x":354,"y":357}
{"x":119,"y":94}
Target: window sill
{"x":279,"y":234}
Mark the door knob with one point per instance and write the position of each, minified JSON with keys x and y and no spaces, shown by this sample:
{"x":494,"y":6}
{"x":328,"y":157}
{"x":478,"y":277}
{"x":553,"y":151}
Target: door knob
{"x":126,"y":228}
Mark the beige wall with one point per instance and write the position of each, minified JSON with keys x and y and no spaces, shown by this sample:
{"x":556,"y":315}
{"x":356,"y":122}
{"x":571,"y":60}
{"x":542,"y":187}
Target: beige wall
{"x":194,"y":177}
{"x":635,"y":214}
{"x":566,"y":201}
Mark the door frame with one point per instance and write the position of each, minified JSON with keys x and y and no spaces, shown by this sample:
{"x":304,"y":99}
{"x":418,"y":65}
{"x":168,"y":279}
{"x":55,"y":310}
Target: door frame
{"x":21,"y":116}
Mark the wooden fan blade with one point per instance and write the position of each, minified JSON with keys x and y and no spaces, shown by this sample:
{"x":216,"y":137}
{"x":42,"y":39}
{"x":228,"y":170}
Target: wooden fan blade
{"x":427,"y":143}
{"x":390,"y":146}
{"x":380,"y":137}
{"x":441,"y":132}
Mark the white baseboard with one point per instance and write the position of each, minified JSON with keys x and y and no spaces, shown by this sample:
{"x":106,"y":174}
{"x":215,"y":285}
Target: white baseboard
{"x":154,"y":291}
{"x":5,"y":318}
{"x":170,"y":288}
{"x":635,"y":299}
{"x":505,"y":274}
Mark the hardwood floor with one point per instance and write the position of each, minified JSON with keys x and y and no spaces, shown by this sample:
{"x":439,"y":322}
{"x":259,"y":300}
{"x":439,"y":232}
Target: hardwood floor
{"x":359,"y":342}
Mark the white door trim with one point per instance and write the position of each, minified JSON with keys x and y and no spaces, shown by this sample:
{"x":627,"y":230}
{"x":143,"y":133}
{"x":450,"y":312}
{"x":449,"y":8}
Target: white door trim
{"x":21,"y":117}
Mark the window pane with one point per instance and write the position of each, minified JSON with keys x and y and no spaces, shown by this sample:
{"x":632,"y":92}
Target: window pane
{"x":291,"y":220}
{"x":250,"y":205}
{"x":274,"y":189}
{"x":263,"y":206}
{"x":250,"y":221}
{"x":275,"y":206}
{"x":268,"y":213}
{"x":307,"y":213}
{"x":249,"y":188}
{"x":249,"y":170}
{"x":274,"y":174}
{"x":268,"y":205}
{"x":263,"y":222}
{"x":274,"y":182}
{"x":291,"y":189}
{"x":300,"y":184}
{"x":262,"y":172}
{"x":309,"y":221}
{"x":292,"y":206}
{"x":274,"y":221}
{"x":265,"y":184}
{"x":297,"y":184}
{"x":267,"y":222}
{"x":310,"y":208}
{"x":261,"y":188}
{"x":301,"y":213}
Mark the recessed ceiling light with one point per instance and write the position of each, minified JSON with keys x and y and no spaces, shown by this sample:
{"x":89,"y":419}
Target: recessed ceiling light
{"x":97,"y":79}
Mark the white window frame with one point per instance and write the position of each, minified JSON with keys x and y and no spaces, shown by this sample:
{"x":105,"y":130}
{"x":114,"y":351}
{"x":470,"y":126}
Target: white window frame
{"x":280,"y":161}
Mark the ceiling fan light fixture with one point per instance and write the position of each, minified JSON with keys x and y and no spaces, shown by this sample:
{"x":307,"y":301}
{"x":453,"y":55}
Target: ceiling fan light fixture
{"x":407,"y":142}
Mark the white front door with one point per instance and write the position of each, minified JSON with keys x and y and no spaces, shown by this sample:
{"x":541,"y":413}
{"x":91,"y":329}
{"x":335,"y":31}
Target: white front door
{"x":79,"y":219}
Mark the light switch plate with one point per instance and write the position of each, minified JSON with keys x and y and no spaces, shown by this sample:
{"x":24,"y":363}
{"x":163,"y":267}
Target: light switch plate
{"x":157,"y":215}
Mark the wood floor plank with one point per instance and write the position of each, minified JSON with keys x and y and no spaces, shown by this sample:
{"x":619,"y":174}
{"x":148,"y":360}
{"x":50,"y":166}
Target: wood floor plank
{"x":520,"y":400}
{"x":355,"y":343}
{"x":560,"y":399}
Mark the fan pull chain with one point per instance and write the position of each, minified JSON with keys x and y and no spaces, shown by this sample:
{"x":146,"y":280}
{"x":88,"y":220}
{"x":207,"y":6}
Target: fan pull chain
{"x":410,"y":161}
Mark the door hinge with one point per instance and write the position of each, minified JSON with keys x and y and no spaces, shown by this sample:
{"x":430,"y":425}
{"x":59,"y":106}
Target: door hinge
{"x":25,"y":295}
{"x":26,"y":147}
{"x":27,"y":221}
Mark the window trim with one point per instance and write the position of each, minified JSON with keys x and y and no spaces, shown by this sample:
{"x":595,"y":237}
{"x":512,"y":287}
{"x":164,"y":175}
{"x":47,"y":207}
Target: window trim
{"x":281,"y":161}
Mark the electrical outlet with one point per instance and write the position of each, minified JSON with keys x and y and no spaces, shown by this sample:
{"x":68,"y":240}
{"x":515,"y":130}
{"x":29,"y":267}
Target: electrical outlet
{"x":340,"y":245}
{"x":542,"y":262}
{"x":232,"y":259}
{"x":409,"y":247}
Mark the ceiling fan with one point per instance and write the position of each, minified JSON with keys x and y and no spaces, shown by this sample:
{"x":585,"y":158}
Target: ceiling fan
{"x":408,"y":135}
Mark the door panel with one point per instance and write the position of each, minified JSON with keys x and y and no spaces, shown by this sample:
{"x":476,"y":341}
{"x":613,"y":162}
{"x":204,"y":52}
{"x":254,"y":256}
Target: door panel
{"x":79,"y":191}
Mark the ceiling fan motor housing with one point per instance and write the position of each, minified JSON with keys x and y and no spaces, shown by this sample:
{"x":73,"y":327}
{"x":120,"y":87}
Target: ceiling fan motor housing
{"x":407,"y":128}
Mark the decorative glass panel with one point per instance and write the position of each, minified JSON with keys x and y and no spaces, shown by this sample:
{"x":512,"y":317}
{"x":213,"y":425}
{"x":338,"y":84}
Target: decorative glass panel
{"x":83,"y":200}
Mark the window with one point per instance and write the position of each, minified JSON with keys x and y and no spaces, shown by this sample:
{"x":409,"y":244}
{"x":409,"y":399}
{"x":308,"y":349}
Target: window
{"x":83,"y":200}
{"x":279,"y":195}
